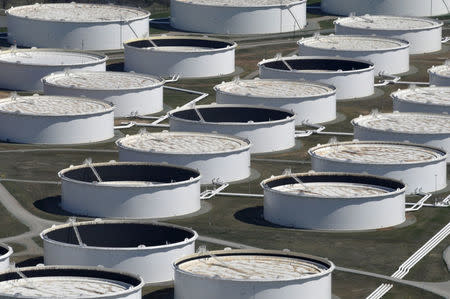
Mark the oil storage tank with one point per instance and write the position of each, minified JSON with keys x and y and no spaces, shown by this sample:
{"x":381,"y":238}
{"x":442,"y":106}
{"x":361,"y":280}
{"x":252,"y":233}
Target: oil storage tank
{"x":256,"y":274}
{"x":302,"y":97}
{"x":352,"y":78}
{"x":440,"y":75}
{"x":420,"y":167}
{"x":435,"y":99}
{"x":186,"y":56}
{"x":268,"y":129}
{"x":421,"y":128}
{"x":144,"y":248}
{"x":390,"y":56}
{"x":413,"y":8}
{"x":333,"y":201}
{"x":216,"y":157}
{"x":73,"y":25}
{"x":5,"y":253}
{"x":69,"y":282}
{"x":55,"y":120}
{"x":424,"y":35}
{"x":22,"y":69}
{"x":130,"y":190}
{"x":131,"y":94}
{"x":238,"y":17}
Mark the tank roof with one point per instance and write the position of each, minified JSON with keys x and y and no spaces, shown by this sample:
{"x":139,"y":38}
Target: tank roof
{"x":388,"y":22}
{"x":414,"y":123}
{"x":242,"y":3}
{"x":427,"y":95}
{"x":332,"y":189}
{"x":441,"y":70}
{"x":45,"y":105}
{"x":247,"y":265}
{"x":352,"y":42}
{"x":102,"y":80}
{"x":276,"y":89}
{"x":182,"y":143}
{"x":78,"y":12}
{"x":373,"y":152}
{"x":50,"y":57}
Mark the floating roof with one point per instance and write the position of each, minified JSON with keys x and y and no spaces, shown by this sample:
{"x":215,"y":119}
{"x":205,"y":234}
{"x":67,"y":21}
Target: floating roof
{"x":442,"y":70}
{"x":388,"y":22}
{"x":426,"y":95}
{"x":352,"y":42}
{"x":50,"y":57}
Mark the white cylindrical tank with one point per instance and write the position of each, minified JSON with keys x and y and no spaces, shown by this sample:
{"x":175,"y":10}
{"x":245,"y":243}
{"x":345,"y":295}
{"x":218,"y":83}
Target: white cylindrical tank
{"x":69,"y":282}
{"x":216,"y":157}
{"x":5,"y":253}
{"x":303,"y":98}
{"x":238,"y":17}
{"x":187,"y":56}
{"x":268,"y":129}
{"x":130,"y":190}
{"x":413,"y":8}
{"x":418,"y":166}
{"x":55,"y":120}
{"x":425,"y":99}
{"x":424,"y":35}
{"x":144,"y":248}
{"x":131,"y":94}
{"x":390,"y":56}
{"x":23,"y":69}
{"x":420,"y":128}
{"x":352,"y":78}
{"x":76,"y":25}
{"x":333,"y":201}
{"x":440,"y":75}
{"x":252,"y":274}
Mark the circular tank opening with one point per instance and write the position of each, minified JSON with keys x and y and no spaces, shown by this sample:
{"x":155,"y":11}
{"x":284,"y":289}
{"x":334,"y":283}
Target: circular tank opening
{"x":4,"y":249}
{"x":315,"y":64}
{"x":235,"y":114}
{"x":179,"y":42}
{"x":120,"y":235}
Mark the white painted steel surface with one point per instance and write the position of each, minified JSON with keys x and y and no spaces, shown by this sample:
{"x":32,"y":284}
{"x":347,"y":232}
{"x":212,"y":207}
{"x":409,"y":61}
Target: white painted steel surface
{"x":418,"y":166}
{"x":420,"y":128}
{"x":22,"y":69}
{"x":352,"y":78}
{"x":238,"y":17}
{"x":305,"y":99}
{"x":414,"y":8}
{"x":55,"y":120}
{"x":187,"y":56}
{"x":268,"y":129}
{"x":131,"y":94}
{"x":76,"y":25}
{"x":130,"y":190}
{"x":390,"y":56}
{"x":440,"y":75}
{"x":5,"y":253}
{"x":333,"y":201}
{"x":69,"y":282}
{"x":144,"y":248}
{"x":435,"y":99}
{"x":258,"y":274}
{"x":226,"y":158}
{"x":424,"y":35}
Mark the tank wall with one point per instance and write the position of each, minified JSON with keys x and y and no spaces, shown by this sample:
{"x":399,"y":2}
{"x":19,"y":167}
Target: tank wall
{"x":428,"y":176}
{"x":420,"y":41}
{"x":192,"y":287}
{"x":129,"y":202}
{"x":5,"y":262}
{"x":438,"y":80}
{"x":153,"y":264}
{"x":186,"y":64}
{"x":125,"y":102}
{"x":263,"y":137}
{"x":227,"y":167}
{"x":391,"y":61}
{"x":415,"y":8}
{"x":26,"y":77}
{"x":404,"y":106}
{"x":334,"y":213}
{"x":304,"y":109}
{"x":348,"y":85}
{"x":67,"y":35}
{"x":56,"y":130}
{"x":236,"y":20}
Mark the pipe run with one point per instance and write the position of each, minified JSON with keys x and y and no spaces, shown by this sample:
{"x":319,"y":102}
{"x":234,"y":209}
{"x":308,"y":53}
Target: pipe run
{"x":389,"y":79}
{"x":318,"y":130}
